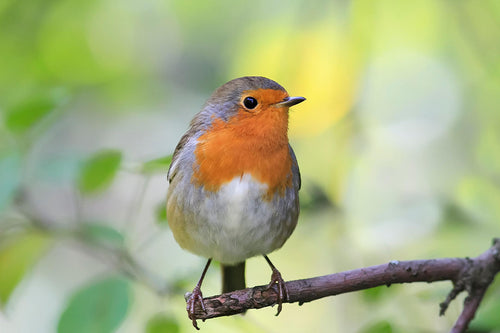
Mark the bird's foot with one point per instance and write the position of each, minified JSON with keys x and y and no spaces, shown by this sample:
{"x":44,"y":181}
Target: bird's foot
{"x":195,"y":297}
{"x":281,"y":291}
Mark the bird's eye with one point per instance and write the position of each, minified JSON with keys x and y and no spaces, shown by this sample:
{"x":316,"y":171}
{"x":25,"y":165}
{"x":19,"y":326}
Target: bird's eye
{"x":250,"y":103}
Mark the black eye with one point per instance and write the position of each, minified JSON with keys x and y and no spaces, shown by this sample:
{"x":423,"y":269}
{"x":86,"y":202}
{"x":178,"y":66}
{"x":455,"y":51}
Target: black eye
{"x":250,"y":103}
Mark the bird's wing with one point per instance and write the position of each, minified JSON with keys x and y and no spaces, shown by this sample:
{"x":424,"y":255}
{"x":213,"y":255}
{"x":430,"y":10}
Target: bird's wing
{"x":172,"y":170}
{"x":297,"y":182}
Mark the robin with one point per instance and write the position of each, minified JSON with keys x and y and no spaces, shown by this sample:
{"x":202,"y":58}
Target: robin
{"x":234,"y":182}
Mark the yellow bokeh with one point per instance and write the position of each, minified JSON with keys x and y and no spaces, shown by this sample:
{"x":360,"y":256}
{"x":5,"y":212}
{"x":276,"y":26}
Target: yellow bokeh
{"x":318,"y":63}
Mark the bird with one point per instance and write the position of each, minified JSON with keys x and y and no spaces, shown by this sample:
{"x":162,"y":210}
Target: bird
{"x":234,"y":182}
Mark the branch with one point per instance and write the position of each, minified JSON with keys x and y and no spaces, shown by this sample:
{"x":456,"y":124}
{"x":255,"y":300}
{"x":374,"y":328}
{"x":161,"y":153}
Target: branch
{"x":473,"y":275}
{"x":122,"y":260}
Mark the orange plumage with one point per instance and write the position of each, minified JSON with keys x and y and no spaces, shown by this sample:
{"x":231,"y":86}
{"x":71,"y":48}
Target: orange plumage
{"x":251,"y":142}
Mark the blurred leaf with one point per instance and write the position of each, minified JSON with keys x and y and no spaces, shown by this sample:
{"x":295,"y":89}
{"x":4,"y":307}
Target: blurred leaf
{"x":68,"y":53}
{"x":10,"y":176}
{"x":161,"y":214}
{"x":374,"y":294}
{"x":103,"y":234}
{"x":382,"y":326}
{"x":487,"y":318}
{"x":99,"y":171}
{"x":161,"y":323}
{"x":17,"y":256}
{"x":28,"y":113}
{"x":313,"y":197}
{"x":181,"y":284}
{"x":98,"y":308}
{"x":158,"y":165}
{"x":480,"y":198}
{"x":488,"y":146}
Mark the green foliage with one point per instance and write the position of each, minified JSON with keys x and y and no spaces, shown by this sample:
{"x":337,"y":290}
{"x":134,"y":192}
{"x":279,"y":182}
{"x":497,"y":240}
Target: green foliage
{"x":26,"y":114}
{"x":10,"y":176}
{"x":161,"y":323}
{"x":158,"y":165}
{"x":17,"y":257}
{"x":161,"y":214}
{"x":382,"y":326}
{"x":489,"y":141}
{"x":374,"y":294}
{"x":99,"y":171}
{"x":480,"y":198}
{"x":101,"y":233}
{"x":487,"y":319}
{"x":98,"y":308}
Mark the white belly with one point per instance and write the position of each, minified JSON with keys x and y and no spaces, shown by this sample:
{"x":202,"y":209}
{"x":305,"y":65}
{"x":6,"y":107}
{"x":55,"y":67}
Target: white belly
{"x":233,"y":223}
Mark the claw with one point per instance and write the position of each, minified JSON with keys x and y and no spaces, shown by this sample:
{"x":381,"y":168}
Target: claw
{"x":282,"y":292}
{"x":195,"y":297}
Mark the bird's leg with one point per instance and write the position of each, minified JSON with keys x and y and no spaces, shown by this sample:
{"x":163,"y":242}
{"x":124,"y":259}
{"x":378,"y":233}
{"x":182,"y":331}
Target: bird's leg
{"x":197,"y":297}
{"x":277,"y":280}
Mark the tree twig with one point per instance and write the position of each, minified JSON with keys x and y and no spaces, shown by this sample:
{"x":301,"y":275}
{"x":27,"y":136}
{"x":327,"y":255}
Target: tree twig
{"x":471,"y":304}
{"x":122,"y":260}
{"x":475,"y":278}
{"x":473,"y":275}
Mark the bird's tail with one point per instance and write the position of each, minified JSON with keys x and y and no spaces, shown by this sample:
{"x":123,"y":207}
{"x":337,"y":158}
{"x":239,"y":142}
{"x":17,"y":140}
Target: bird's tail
{"x":233,"y":277}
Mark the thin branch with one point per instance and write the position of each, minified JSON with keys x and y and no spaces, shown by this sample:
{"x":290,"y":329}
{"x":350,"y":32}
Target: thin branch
{"x":122,"y":260}
{"x":118,"y":256}
{"x":468,"y":274}
{"x":471,"y":304}
{"x":136,"y":203}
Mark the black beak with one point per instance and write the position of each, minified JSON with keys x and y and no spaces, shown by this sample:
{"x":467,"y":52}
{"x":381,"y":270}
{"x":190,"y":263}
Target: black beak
{"x":290,"y":101}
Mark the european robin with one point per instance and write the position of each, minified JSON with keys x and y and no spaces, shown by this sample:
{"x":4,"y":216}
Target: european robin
{"x":234,"y":182}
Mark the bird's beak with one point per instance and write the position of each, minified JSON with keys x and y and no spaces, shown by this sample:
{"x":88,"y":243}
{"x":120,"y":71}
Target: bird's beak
{"x":290,"y":101}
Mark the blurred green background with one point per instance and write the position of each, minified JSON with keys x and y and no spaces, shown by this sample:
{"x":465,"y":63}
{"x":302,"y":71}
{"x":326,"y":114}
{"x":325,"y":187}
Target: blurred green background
{"x":398,"y":144}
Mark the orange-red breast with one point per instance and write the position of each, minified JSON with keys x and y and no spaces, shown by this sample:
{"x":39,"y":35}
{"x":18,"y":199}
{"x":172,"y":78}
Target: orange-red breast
{"x":234,"y":181}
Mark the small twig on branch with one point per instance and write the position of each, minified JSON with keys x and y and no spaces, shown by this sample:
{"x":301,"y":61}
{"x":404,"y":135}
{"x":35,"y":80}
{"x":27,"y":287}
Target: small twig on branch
{"x":122,"y":260}
{"x":473,"y":275}
{"x":471,"y":304}
{"x":475,"y":279}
